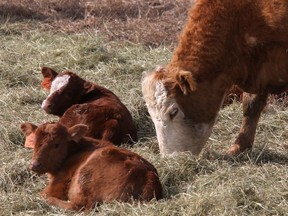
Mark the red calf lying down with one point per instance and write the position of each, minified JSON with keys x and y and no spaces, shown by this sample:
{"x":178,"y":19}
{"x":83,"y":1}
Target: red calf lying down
{"x":76,"y":101}
{"x":224,"y":43}
{"x":83,"y":171}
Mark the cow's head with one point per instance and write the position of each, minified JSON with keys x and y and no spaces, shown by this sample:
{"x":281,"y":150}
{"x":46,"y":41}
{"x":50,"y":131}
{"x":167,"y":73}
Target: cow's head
{"x":51,"y":144}
{"x":182,"y":110}
{"x":65,"y":89}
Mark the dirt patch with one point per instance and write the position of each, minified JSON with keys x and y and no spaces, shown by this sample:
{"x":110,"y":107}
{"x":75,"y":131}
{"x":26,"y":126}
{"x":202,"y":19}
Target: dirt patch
{"x":151,"y":22}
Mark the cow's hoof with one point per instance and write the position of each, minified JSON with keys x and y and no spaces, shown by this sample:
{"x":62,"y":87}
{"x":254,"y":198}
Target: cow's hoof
{"x":234,"y":150}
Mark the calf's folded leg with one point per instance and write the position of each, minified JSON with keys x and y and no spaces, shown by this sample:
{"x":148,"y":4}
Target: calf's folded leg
{"x":63,"y":203}
{"x":112,"y":131}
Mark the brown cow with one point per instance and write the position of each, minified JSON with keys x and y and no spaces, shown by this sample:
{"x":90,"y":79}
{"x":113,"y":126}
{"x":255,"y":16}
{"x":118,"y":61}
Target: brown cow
{"x":77,"y":101}
{"x":83,"y":171}
{"x":224,"y":42}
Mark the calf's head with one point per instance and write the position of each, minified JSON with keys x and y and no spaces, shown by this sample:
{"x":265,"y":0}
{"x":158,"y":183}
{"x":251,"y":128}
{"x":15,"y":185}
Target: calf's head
{"x":51,"y":144}
{"x":65,"y":89}
{"x":176,"y":109}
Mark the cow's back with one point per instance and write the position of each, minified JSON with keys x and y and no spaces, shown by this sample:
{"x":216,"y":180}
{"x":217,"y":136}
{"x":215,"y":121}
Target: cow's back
{"x":247,"y":40}
{"x":262,"y":43}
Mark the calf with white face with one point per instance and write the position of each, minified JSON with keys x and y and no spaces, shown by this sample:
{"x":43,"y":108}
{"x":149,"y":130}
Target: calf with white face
{"x":77,"y":101}
{"x":65,"y":90}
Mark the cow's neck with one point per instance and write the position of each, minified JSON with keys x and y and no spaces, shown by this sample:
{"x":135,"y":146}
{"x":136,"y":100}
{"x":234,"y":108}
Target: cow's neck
{"x":211,"y":88}
{"x":209,"y":71}
{"x":205,"y":51}
{"x":206,"y":99}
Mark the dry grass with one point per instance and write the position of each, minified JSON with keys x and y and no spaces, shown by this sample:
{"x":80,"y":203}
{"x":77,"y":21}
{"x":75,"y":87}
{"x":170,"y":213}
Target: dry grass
{"x":151,"y":22}
{"x":253,"y":183}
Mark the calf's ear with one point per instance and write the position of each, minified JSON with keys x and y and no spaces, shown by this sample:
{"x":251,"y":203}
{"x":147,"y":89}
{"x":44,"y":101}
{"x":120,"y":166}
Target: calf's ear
{"x":28,"y":128}
{"x":77,"y":131}
{"x":48,"y":72}
{"x":185,"y":81}
{"x":48,"y":75}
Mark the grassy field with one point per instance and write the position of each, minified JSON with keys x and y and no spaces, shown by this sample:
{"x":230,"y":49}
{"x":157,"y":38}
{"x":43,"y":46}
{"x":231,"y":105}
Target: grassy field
{"x":253,"y":183}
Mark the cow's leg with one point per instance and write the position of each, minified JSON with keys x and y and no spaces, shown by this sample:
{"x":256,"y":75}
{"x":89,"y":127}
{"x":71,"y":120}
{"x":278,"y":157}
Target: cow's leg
{"x":252,"y":108}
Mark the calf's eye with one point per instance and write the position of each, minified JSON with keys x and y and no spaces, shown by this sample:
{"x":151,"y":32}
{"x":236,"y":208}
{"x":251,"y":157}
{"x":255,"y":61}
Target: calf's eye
{"x":56,"y":146}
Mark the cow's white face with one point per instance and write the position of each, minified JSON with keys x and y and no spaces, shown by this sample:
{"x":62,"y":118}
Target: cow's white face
{"x":175,"y":132}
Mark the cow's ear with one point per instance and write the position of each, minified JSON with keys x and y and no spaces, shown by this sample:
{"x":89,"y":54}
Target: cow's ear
{"x":185,"y":81}
{"x":77,"y":132}
{"x":28,"y":128}
{"x":48,"y":75}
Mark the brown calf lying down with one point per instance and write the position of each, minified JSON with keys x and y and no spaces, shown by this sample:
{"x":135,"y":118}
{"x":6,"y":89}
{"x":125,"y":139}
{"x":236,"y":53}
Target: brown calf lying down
{"x":77,"y":101}
{"x":224,"y":43}
{"x":84,"y":171}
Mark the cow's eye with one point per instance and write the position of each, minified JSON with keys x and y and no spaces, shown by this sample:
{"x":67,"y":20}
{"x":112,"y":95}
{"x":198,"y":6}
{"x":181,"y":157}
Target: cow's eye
{"x":56,"y":146}
{"x":173,"y":113}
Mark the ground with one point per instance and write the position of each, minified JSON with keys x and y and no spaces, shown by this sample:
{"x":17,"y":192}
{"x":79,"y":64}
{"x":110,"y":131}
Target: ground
{"x":112,"y":43}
